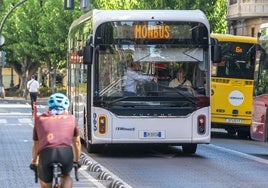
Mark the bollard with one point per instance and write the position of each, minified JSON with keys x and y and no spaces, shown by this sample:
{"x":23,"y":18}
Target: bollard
{"x":116,"y":184}
{"x":88,"y":162}
{"x":94,"y":168}
{"x":104,"y":176}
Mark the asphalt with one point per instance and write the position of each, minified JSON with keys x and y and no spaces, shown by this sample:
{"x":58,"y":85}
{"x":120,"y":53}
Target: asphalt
{"x":15,"y":153}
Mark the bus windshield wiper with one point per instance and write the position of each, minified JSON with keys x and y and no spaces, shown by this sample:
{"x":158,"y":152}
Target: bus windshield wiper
{"x":118,"y":100}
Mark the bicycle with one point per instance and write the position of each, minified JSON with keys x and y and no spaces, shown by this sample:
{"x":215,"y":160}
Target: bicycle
{"x":56,"y":169}
{"x":57,"y":172}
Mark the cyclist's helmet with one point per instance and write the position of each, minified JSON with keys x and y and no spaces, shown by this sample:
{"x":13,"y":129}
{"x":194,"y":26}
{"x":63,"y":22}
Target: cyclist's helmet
{"x":58,"y":100}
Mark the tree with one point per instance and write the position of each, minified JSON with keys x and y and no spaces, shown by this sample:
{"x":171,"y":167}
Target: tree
{"x":54,"y":45}
{"x":20,"y":34}
{"x":214,"y":9}
{"x":36,"y":34}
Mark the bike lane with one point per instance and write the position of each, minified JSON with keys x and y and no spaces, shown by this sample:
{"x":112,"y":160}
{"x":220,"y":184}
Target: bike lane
{"x":15,"y":155}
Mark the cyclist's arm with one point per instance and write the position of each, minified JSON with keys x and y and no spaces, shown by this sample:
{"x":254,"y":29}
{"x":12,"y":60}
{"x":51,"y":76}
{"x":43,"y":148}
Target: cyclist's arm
{"x":76,"y":148}
{"x":35,"y":152}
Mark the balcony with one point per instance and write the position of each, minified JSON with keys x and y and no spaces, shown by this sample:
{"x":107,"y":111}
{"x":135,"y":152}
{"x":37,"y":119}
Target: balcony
{"x":245,"y":9}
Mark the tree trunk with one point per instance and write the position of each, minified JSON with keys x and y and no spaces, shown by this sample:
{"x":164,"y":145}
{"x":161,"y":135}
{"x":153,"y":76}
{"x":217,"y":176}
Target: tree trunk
{"x":28,"y":68}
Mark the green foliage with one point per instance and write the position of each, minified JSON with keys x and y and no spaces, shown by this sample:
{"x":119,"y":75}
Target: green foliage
{"x":214,"y":9}
{"x":44,"y":91}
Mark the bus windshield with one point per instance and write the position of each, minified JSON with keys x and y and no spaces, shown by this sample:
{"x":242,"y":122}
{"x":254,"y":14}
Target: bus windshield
{"x":237,"y":61}
{"x":161,"y":61}
{"x":160,"y":50}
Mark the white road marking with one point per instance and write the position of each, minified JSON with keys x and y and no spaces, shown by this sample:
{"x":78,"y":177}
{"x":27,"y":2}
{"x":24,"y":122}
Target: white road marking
{"x":20,"y":106}
{"x":25,"y":120}
{"x":93,"y":180}
{"x":243,"y":155}
{"x":3,"y":121}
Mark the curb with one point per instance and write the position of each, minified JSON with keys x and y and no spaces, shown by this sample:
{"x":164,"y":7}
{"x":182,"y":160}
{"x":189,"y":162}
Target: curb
{"x":100,"y":173}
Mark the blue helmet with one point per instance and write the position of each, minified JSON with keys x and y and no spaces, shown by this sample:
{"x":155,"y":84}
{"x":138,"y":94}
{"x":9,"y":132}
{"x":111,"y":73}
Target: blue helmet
{"x":58,"y":100}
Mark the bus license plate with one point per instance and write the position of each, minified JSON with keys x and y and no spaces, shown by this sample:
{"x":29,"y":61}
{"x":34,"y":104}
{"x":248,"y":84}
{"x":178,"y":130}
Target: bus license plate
{"x":230,"y":120}
{"x":152,"y":134}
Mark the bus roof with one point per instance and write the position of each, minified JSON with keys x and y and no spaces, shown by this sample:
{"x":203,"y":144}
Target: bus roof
{"x":234,"y":38}
{"x":101,"y":16}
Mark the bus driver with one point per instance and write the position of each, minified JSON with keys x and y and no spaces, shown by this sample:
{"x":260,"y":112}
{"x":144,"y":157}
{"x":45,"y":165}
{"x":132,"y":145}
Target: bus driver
{"x":133,"y":77}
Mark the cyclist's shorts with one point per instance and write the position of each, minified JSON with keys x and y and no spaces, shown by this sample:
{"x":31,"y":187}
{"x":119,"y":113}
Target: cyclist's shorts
{"x":62,"y":155}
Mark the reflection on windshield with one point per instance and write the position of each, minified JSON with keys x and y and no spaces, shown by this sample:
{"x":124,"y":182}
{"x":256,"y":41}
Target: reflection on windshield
{"x":145,"y":71}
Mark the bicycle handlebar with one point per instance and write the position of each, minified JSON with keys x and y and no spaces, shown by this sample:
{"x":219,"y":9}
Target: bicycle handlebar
{"x":33,"y":167}
{"x":76,"y":166}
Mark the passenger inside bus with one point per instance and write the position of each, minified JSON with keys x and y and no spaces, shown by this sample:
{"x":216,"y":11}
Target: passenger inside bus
{"x":180,"y":81}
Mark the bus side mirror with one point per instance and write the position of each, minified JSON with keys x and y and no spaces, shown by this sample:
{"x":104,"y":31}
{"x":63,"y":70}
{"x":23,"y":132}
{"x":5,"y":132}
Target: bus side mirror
{"x":87,"y":54}
{"x":216,"y":54}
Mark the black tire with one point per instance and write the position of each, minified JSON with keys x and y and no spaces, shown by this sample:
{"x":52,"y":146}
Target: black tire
{"x":91,"y":148}
{"x":243,"y":134}
{"x":189,"y":148}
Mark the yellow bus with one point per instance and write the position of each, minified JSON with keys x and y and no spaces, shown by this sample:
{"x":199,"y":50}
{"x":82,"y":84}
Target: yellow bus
{"x":232,"y":84}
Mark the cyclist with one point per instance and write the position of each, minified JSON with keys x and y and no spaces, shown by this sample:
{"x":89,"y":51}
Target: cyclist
{"x":56,"y":139}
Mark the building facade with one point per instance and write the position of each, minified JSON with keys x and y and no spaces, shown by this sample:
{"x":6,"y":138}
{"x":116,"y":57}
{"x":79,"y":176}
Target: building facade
{"x":244,"y":17}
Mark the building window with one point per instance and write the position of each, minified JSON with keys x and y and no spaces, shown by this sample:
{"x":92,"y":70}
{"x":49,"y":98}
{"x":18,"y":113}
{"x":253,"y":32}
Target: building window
{"x":252,"y":31}
{"x":233,"y":2}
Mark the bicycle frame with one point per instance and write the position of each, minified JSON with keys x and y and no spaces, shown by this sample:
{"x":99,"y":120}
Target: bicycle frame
{"x":56,"y":169}
{"x":57,"y":172}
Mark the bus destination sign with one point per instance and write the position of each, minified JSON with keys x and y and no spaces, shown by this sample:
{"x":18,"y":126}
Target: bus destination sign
{"x":152,"y":32}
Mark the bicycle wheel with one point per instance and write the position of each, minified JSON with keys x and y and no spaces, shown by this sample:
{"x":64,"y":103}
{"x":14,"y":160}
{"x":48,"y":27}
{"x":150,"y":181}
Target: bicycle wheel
{"x":56,"y":185}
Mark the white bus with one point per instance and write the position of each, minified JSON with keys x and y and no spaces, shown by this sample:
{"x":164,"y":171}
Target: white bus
{"x":102,"y":46}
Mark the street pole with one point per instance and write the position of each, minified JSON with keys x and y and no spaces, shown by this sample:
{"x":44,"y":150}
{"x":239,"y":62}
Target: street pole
{"x":1,"y":28}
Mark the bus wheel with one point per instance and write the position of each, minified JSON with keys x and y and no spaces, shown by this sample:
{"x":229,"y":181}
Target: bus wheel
{"x":243,"y":134}
{"x":92,"y":148}
{"x":189,"y":148}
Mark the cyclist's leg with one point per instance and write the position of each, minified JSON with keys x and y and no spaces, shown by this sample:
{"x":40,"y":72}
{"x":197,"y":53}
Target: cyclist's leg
{"x":66,"y":181}
{"x":66,"y":159}
{"x":44,"y":168}
{"x":45,"y":185}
